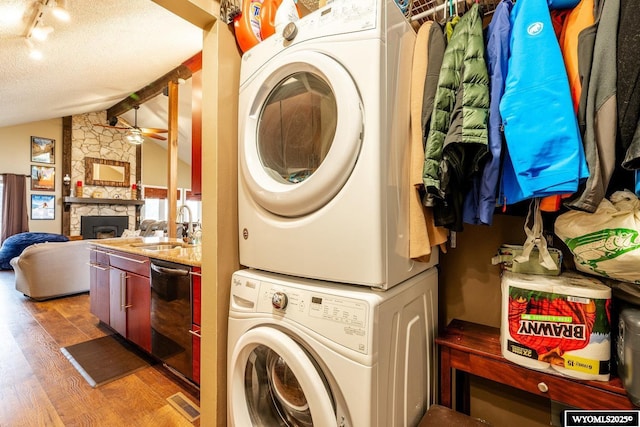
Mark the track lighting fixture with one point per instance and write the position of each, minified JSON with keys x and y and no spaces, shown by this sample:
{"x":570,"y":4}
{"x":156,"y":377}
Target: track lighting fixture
{"x":36,"y":30}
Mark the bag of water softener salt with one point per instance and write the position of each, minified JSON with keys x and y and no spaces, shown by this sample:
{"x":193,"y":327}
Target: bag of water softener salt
{"x":557,"y":324}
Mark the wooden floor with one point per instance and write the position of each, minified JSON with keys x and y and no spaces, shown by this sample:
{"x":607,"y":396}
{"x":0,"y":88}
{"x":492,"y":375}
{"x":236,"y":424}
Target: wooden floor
{"x":39,"y":387}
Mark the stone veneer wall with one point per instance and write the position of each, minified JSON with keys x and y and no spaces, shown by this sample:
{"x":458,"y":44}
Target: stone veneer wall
{"x":88,"y":140}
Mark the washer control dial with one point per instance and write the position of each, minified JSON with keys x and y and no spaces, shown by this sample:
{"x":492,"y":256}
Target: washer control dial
{"x":290,"y":31}
{"x":279,"y":300}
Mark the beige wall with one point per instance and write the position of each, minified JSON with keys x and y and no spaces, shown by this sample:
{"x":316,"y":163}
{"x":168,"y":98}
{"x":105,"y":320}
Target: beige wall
{"x":15,"y":157}
{"x":154,"y":167}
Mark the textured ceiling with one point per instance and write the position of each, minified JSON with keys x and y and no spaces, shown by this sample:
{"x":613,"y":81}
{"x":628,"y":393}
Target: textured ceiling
{"x":109,"y":49}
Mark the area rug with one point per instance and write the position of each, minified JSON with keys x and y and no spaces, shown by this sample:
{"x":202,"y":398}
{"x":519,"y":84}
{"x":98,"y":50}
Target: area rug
{"x":105,"y":359}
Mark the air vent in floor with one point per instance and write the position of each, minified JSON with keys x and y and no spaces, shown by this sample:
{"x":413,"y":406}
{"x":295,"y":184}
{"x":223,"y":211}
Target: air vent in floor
{"x":186,"y":407}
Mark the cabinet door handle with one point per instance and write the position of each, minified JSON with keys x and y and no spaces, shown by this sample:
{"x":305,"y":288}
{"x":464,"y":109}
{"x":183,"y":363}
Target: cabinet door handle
{"x":94,"y":265}
{"x":123,"y":292}
{"x":543,"y":387}
{"x":197,"y":334}
{"x":195,"y":273}
{"x":98,"y":251}
{"x":130,"y":259}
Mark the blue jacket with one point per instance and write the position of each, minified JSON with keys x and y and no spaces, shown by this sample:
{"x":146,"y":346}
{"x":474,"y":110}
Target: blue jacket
{"x":545,"y":152}
{"x":480,"y":201}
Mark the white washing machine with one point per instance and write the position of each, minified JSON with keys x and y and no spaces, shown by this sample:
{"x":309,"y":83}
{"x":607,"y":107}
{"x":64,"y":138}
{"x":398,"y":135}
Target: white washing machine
{"x":303,"y":352}
{"x":324,"y":147}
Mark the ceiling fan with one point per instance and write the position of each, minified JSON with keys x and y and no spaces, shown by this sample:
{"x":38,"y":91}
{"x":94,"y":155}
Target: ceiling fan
{"x":136,"y":134}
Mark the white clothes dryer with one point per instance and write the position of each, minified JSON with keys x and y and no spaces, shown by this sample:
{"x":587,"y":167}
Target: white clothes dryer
{"x":303,"y":352}
{"x":324,"y":147}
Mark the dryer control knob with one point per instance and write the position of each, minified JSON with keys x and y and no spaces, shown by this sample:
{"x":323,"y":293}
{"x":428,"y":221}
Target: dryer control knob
{"x":290,"y":31}
{"x":279,"y":300}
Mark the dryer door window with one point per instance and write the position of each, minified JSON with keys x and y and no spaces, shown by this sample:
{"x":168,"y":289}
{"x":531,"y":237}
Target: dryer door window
{"x":275,"y":382}
{"x":296,"y":127}
{"x":302,"y":133}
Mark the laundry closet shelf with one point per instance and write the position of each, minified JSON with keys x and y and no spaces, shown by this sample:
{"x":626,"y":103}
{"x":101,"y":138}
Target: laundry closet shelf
{"x":100,"y":201}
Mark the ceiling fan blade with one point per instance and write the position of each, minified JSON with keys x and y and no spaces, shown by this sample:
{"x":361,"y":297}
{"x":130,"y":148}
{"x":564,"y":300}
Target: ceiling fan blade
{"x":154,"y":136}
{"x":154,"y":130}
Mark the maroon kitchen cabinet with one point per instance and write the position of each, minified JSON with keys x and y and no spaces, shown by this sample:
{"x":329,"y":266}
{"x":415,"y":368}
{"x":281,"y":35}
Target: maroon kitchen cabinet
{"x":196,"y":280}
{"x":130,"y":298}
{"x":99,"y":284}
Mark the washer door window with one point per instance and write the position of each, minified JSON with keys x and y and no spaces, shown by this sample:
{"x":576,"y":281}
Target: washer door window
{"x":275,"y":383}
{"x":303,"y":133}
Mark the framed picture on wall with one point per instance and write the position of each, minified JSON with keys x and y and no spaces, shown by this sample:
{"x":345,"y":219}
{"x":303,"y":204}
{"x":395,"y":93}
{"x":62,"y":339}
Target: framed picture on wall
{"x":43,"y":206}
{"x":42,"y":149}
{"x":43,"y":178}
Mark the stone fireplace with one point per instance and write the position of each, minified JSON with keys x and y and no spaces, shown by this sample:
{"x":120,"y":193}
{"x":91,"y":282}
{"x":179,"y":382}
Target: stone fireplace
{"x":87,"y":140}
{"x":103,"y":227}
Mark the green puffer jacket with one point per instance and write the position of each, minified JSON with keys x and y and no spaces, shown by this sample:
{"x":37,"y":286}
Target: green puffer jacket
{"x":456,"y":145}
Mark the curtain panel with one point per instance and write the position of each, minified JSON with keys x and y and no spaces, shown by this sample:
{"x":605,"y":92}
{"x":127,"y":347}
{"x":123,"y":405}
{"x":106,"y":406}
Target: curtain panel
{"x":14,"y":205}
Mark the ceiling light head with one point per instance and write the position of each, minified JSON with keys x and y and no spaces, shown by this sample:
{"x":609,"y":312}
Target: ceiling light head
{"x":61,"y":11}
{"x":33,"y":52}
{"x":41,"y":32}
{"x":135,"y":137}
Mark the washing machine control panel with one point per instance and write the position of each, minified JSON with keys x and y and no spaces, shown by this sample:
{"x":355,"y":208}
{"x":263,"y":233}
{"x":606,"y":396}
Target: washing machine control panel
{"x":339,"y":319}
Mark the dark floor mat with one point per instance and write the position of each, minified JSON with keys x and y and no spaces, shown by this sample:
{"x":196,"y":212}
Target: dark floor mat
{"x":105,"y":359}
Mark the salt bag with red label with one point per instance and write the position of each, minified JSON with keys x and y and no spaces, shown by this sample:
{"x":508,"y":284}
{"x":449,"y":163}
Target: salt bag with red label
{"x":557,"y":324}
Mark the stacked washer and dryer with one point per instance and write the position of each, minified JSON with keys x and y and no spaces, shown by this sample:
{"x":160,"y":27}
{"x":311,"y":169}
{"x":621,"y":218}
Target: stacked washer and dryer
{"x":332,"y":324}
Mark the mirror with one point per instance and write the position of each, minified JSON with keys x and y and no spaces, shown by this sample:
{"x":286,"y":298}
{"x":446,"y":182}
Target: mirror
{"x":105,"y":172}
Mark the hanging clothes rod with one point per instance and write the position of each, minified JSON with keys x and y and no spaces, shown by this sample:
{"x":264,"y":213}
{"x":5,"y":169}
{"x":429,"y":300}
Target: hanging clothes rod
{"x":433,"y":10}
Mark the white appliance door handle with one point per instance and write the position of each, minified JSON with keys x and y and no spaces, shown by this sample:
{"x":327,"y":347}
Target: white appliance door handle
{"x":320,"y":406}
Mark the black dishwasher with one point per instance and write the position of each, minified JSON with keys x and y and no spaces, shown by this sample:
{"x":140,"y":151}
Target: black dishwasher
{"x":171,"y":315}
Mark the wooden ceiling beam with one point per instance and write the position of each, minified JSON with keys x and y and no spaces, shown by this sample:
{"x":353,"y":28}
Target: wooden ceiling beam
{"x":183,"y":71}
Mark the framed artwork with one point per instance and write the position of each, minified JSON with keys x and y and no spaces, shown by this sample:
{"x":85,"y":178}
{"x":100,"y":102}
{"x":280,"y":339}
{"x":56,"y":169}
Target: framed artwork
{"x":42,"y":149}
{"x":43,"y":178}
{"x":43,"y":206}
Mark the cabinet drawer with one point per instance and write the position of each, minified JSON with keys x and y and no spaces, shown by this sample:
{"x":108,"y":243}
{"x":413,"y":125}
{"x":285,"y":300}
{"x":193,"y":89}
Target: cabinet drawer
{"x":102,"y":257}
{"x":98,"y":256}
{"x":581,"y":394}
{"x":130,"y":262}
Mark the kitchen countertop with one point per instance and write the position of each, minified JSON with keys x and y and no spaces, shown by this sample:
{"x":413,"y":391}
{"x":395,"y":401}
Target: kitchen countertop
{"x":185,"y":254}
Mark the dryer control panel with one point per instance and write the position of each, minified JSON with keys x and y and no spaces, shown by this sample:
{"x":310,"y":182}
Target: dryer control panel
{"x":338,"y":318}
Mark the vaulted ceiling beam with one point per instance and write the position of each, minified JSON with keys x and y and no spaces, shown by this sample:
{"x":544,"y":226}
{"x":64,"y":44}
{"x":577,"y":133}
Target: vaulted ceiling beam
{"x":183,"y":71}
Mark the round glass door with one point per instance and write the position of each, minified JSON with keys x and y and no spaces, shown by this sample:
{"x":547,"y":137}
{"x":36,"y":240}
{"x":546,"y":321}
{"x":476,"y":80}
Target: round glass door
{"x":296,"y":127}
{"x":275,"y":383}
{"x":302,"y":133}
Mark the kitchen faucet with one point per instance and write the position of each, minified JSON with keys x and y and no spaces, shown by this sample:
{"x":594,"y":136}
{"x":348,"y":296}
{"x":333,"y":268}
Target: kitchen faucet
{"x":190,"y":238}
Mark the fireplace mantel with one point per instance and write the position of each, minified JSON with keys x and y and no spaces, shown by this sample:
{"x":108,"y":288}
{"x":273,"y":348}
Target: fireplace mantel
{"x":99,"y":201}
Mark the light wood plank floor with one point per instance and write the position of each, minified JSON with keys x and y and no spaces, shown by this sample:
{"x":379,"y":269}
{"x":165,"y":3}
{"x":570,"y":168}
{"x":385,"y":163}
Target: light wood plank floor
{"x":39,"y":387}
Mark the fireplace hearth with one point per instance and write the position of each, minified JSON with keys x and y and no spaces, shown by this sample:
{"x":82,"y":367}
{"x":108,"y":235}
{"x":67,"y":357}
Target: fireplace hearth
{"x":102,"y":227}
